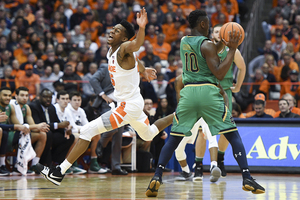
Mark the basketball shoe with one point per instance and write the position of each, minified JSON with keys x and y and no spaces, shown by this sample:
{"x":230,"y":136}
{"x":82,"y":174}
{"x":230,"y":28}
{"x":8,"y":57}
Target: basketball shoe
{"x":153,"y":186}
{"x":221,"y":164}
{"x":52,"y":174}
{"x":184,"y":176}
{"x":251,"y":185}
{"x":198,"y":176}
{"x":215,"y":174}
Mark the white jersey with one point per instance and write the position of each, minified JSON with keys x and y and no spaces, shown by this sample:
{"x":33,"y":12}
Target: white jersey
{"x":65,"y":116}
{"x":125,"y":82}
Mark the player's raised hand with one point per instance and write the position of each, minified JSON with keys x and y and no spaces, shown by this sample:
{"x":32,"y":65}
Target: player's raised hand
{"x":141,"y":18}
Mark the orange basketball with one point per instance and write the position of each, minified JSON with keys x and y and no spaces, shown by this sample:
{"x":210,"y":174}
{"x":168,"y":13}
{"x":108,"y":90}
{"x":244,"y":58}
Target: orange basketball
{"x":230,"y":26}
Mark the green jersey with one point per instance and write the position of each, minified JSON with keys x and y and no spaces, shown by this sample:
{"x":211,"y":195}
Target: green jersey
{"x":7,"y":110}
{"x":226,"y":83}
{"x":195,"y":68}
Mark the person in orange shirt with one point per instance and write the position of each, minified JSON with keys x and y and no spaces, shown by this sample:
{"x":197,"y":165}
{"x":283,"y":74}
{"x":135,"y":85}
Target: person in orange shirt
{"x":8,"y":80}
{"x":168,"y":7}
{"x":161,"y":48}
{"x":292,"y":102}
{"x":290,"y":86}
{"x":92,"y":26}
{"x":26,"y":49}
{"x":230,"y":12}
{"x":260,"y":97}
{"x":28,"y":14}
{"x":172,"y":31}
{"x":187,"y":8}
{"x":235,"y":5}
{"x":287,"y":65}
{"x":17,"y":72}
{"x":215,"y":17}
{"x":31,"y":81}
{"x":295,"y":39}
{"x":151,"y":36}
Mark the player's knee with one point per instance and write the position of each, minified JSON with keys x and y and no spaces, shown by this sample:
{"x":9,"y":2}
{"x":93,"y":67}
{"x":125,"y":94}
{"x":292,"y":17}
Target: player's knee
{"x":93,"y":128}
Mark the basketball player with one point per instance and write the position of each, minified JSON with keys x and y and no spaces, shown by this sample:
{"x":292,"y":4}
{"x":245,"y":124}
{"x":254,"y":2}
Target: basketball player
{"x":200,"y":98}
{"x":226,"y":83}
{"x":124,"y":70}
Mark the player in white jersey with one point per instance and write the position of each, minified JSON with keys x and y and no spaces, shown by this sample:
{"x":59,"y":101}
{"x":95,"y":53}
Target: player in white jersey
{"x":124,"y":69}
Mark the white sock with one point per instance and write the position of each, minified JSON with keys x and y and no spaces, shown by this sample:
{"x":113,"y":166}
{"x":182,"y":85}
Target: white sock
{"x":2,"y":161}
{"x":186,"y":169}
{"x":213,"y":163}
{"x":93,"y":157}
{"x":64,"y":166}
{"x":35,"y":161}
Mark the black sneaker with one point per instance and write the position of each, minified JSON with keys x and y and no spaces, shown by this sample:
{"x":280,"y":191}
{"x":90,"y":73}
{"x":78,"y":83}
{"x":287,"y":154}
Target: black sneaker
{"x":251,"y":185}
{"x":222,"y":168}
{"x":184,"y":176}
{"x":198,"y":176}
{"x":215,"y":174}
{"x":52,"y":174}
{"x":153,"y":186}
{"x":4,"y":171}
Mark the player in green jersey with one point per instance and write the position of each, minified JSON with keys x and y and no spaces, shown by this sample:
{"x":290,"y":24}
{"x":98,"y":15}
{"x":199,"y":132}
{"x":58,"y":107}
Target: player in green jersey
{"x":201,"y":98}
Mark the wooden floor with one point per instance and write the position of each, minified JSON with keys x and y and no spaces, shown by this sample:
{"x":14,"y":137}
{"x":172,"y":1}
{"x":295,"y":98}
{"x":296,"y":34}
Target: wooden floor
{"x":133,"y":186}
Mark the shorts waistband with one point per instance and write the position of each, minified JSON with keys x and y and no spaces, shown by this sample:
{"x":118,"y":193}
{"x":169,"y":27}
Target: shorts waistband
{"x":200,"y":83}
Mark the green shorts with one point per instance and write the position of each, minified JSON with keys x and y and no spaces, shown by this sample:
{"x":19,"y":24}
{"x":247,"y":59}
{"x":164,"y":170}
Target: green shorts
{"x":229,"y":94}
{"x":202,"y":100}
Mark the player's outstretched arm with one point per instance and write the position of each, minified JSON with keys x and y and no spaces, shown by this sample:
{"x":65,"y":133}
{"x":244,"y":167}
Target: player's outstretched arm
{"x":240,"y":63}
{"x":134,"y":45}
{"x":148,"y":73}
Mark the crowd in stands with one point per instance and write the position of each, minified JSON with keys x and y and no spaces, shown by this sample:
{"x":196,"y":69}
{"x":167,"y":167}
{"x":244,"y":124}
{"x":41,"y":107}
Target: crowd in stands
{"x":54,"y":48}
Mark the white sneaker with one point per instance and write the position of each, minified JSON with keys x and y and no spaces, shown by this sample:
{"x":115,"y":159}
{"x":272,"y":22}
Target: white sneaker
{"x":215,"y":174}
{"x":77,"y":170}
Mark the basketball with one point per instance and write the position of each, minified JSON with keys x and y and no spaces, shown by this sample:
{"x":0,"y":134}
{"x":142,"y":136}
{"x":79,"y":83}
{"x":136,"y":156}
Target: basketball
{"x":230,"y":26}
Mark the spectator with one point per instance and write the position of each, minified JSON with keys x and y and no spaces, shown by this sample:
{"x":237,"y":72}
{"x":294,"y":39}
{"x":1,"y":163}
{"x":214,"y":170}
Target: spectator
{"x":87,"y":88}
{"x":173,"y":30}
{"x":5,"y":58}
{"x":89,"y":58}
{"x":58,"y":27}
{"x":210,"y":8}
{"x":59,"y":140}
{"x":77,"y":17}
{"x":292,"y":105}
{"x":155,"y":8}
{"x":17,"y":72}
{"x":40,"y":51}
{"x":150,"y":59}
{"x":160,"y":86}
{"x":265,"y":86}
{"x":257,"y":81}
{"x":287,"y":65}
{"x":51,"y":60}
{"x":285,"y":111}
{"x":13,"y":39}
{"x":236,"y":111}
{"x":60,"y":52}
{"x":40,"y":27}
{"x":39,"y":68}
{"x":56,"y":74}
{"x":69,"y":76}
{"x":3,"y":25}
{"x":68,"y":44}
{"x":58,"y":86}
{"x":30,"y":81}
{"x":92,"y":26}
{"x":282,"y":9}
{"x":259,"y":108}
{"x":77,"y":37}
{"x":22,"y":57}
{"x":161,"y":48}
{"x":80,"y":70}
{"x":290,"y":86}
{"x":279,"y":45}
{"x":8,"y":80}
{"x":215,"y":17}
{"x":31,"y":59}
{"x":47,"y":80}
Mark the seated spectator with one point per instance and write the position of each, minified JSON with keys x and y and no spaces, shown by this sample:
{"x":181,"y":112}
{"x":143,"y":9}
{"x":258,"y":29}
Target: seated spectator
{"x":77,"y":17}
{"x":265,"y":86}
{"x":87,"y":89}
{"x":160,"y":86}
{"x":69,"y":76}
{"x":51,"y":60}
{"x":47,"y":80}
{"x":290,"y":86}
{"x":60,"y":52}
{"x":57,"y":145}
{"x":17,"y":72}
{"x":260,"y":99}
{"x":31,"y":59}
{"x":80,"y":70}
{"x":30,"y":81}
{"x":257,"y":80}
{"x":267,"y":50}
{"x":256,"y":63}
{"x":161,"y":48}
{"x":58,"y":86}
{"x":40,"y":27}
{"x":173,"y":30}
{"x":285,"y":111}
{"x":8,"y":80}
{"x":89,"y":58}
{"x":236,"y":111}
{"x":215,"y":17}
{"x":150,"y":59}
{"x":73,"y":59}
{"x":92,"y":26}
{"x":292,"y":103}
{"x":259,"y":108}
{"x":39,"y":68}
{"x":279,"y":45}
{"x":56,"y":74}
{"x":5,"y":58}
{"x":287,"y":65}
{"x":22,"y":57}
{"x":151,"y":34}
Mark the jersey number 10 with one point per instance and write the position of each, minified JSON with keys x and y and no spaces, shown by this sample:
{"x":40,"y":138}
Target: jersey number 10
{"x":191,"y":63}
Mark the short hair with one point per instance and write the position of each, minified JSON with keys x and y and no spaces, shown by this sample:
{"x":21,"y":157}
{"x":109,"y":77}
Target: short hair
{"x":21,"y":89}
{"x":4,"y":88}
{"x":259,"y":102}
{"x":284,"y":100}
{"x":195,"y":17}
{"x":44,"y":90}
{"x":129,"y":29}
{"x":74,"y":93}
{"x":62,"y":92}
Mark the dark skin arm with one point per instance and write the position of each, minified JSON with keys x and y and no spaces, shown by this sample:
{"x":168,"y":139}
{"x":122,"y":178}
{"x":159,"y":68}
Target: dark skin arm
{"x":210,"y":52}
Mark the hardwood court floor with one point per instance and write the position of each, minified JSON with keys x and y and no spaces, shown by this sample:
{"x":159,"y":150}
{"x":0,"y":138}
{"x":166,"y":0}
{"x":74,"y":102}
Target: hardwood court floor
{"x":133,"y":186}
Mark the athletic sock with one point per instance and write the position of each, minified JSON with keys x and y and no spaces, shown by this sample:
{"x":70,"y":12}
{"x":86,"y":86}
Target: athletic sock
{"x":199,"y":159}
{"x":186,"y":169}
{"x":35,"y":161}
{"x":64,"y":166}
{"x":213,"y":163}
{"x":239,"y":152}
{"x":2,"y":161}
{"x":221,"y":155}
